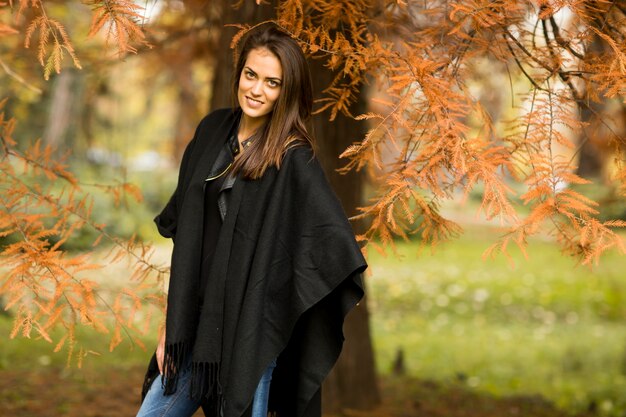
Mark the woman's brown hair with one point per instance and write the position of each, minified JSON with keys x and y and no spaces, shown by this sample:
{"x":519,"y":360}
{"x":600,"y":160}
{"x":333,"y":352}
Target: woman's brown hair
{"x":286,"y":126}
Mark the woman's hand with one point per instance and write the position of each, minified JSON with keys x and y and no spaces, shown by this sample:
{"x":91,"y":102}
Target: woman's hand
{"x":160,"y":351}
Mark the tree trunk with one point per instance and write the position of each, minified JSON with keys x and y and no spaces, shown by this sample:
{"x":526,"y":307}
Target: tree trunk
{"x":188,"y":114}
{"x":352,"y":383}
{"x":60,"y":126}
{"x":592,"y":137}
{"x":248,"y":13}
{"x":590,"y":161}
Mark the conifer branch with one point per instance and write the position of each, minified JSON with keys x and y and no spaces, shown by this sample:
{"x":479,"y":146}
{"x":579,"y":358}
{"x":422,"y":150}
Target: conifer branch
{"x":43,"y":252}
{"x":49,"y":29}
{"x":18,"y":78}
{"x":42,"y":268}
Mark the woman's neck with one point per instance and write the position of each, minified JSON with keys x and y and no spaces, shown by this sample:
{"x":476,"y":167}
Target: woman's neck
{"x":248,"y":125}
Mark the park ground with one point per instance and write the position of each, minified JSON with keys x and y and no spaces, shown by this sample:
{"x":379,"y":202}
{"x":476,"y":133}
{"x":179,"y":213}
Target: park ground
{"x":540,"y":338}
{"x":115,"y":393}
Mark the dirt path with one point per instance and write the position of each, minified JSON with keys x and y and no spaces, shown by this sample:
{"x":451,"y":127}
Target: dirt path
{"x":116,"y":393}
{"x":72,"y":393}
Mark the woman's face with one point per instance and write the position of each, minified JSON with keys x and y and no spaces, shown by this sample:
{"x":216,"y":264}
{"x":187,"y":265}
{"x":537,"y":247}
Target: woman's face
{"x":259,"y":84}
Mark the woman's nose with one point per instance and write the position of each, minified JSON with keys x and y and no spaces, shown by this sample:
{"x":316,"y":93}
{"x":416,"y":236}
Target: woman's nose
{"x":257,"y":88}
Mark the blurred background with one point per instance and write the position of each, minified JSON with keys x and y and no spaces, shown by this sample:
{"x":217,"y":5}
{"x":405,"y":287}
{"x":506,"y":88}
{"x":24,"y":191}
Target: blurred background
{"x":445,"y":332}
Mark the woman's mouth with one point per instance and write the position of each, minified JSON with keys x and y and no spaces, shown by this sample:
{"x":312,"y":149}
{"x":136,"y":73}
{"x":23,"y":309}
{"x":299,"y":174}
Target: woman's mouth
{"x":255,"y":104}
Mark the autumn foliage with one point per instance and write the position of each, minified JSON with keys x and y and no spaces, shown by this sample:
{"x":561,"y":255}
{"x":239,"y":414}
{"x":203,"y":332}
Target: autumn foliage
{"x":42,"y":206}
{"x":431,"y":139}
{"x":424,"y":53}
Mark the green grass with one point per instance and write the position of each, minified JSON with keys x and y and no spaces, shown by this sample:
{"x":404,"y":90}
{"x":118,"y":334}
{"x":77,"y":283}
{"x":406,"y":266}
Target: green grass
{"x":544,"y":326}
{"x":25,"y":353}
{"x":29,"y":354}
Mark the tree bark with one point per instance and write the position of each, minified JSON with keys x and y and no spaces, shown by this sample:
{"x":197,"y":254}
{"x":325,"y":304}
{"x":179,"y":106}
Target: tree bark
{"x":249,"y":13}
{"x":60,"y":126}
{"x":592,"y":138}
{"x":590,"y":160}
{"x":188,"y":114}
{"x":352,"y":383}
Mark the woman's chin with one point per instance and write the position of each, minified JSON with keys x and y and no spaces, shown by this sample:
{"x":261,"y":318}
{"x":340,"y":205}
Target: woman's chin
{"x":254,"y":113}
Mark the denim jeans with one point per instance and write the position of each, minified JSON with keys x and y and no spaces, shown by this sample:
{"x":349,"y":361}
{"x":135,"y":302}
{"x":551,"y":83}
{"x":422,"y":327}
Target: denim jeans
{"x":180,"y":405}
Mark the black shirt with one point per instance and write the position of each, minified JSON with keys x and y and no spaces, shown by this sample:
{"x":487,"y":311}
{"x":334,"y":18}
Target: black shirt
{"x":212,"y":218}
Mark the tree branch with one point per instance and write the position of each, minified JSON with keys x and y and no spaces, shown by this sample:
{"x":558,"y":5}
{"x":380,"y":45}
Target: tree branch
{"x":19,"y":79}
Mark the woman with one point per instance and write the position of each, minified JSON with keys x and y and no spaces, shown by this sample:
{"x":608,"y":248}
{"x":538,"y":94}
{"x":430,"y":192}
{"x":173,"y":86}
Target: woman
{"x":265,"y":265}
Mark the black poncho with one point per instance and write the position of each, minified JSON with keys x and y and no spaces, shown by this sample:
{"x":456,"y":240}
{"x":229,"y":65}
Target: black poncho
{"x":286,"y":271}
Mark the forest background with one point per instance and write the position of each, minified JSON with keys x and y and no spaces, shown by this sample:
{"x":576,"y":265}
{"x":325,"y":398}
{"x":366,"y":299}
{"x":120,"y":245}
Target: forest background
{"x":501,"y":122}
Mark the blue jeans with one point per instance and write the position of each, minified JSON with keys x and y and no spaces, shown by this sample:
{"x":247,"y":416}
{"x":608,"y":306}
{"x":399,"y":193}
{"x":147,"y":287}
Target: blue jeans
{"x":180,"y":405}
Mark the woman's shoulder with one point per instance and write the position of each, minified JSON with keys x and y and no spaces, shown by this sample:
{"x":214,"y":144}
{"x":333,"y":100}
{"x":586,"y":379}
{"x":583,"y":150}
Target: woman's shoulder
{"x":302,"y":164}
{"x":300,"y":154}
{"x":213,"y":126}
{"x":208,"y":132}
{"x":217,"y":117}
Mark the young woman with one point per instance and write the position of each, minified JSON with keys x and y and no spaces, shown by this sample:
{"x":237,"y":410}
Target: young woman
{"x":265,"y":265}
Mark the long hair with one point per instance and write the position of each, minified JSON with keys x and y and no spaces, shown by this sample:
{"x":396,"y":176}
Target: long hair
{"x":287,"y":122}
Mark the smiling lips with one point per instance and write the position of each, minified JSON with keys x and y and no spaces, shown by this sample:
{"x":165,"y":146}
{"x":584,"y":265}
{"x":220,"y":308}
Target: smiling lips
{"x":255,"y":104}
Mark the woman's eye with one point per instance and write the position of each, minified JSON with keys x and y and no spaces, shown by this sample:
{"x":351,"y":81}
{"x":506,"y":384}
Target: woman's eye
{"x":249,"y":75}
{"x":273,"y":83}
